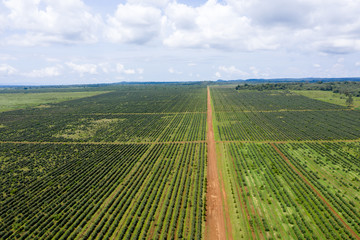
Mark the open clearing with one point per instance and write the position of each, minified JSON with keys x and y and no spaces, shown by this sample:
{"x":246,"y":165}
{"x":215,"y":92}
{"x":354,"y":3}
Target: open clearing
{"x":12,"y":101}
{"x":330,"y":97}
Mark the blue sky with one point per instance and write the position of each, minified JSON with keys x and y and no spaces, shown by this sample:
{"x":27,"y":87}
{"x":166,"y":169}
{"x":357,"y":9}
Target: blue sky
{"x":75,"y":41}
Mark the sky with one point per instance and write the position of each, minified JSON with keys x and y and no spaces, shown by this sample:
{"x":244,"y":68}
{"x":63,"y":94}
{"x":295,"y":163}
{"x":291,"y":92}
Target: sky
{"x":46,"y":42}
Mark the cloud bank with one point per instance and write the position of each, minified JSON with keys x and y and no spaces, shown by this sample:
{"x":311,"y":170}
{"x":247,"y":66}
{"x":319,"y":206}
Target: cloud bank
{"x":266,"y":33}
{"x":325,"y":26}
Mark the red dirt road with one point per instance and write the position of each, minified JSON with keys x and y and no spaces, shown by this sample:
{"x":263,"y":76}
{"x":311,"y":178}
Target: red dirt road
{"x":215,"y":224}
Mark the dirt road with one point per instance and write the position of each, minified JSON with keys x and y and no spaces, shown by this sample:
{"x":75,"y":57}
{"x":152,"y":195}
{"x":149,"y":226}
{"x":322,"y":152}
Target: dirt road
{"x":215,"y":224}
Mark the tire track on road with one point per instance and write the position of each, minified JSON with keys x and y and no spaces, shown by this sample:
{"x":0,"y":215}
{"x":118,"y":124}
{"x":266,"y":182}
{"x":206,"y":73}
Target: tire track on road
{"x":215,"y":223}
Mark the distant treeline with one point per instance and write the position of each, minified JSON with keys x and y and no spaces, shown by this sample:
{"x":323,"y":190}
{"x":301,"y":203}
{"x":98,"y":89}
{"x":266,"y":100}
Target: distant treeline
{"x":347,"y":87}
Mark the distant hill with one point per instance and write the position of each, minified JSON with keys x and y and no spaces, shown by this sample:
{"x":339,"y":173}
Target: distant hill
{"x":277,"y":80}
{"x":205,"y":82}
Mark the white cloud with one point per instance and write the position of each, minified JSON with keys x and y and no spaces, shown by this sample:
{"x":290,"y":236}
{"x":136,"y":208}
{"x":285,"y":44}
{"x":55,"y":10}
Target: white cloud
{"x":173,"y":71}
{"x":300,"y":25}
{"x":44,"y":72}
{"x":330,"y":26}
{"x":50,"y":59}
{"x":340,"y":60}
{"x":120,"y":68}
{"x":276,"y":13}
{"x":254,"y":71}
{"x":6,"y":69}
{"x":6,"y":57}
{"x":56,"y":21}
{"x":133,"y":23}
{"x":212,"y":25}
{"x":83,"y":68}
{"x":31,"y":39}
{"x":154,"y":3}
{"x":232,"y":70}
{"x":246,"y":38}
{"x":181,"y":16}
{"x":2,"y":21}
{"x":105,"y":67}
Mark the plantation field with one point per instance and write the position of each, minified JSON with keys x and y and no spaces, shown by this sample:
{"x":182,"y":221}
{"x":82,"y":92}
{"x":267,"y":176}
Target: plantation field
{"x":12,"y":101}
{"x":104,"y":128}
{"x":228,"y":100}
{"x":330,"y":97}
{"x":170,"y":161}
{"x":279,"y":116}
{"x":289,"y":164}
{"x":271,"y":200}
{"x":141,"y":115}
{"x":127,"y":164}
{"x":151,"y":99}
{"x":103,"y":191}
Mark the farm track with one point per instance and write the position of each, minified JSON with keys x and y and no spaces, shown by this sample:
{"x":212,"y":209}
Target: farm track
{"x":294,"y":141}
{"x":315,"y":191}
{"x":118,"y":114}
{"x":215,"y":223}
{"x":224,"y":199}
{"x":185,"y":142}
{"x":289,"y":110}
{"x":101,"y":143}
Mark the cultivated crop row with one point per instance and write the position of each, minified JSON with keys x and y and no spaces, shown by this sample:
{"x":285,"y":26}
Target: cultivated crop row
{"x":291,"y":125}
{"x":271,"y":200}
{"x":288,"y":190}
{"x":190,"y":127}
{"x":333,"y":175}
{"x":24,"y":164}
{"x":150,"y":99}
{"x":228,"y":99}
{"x":107,"y":192}
{"x":104,"y":128}
{"x":138,"y":114}
{"x":279,"y":116}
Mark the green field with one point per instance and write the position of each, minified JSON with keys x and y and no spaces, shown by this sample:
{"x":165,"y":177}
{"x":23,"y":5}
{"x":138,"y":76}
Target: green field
{"x":330,"y":97}
{"x":131,"y":163}
{"x":127,"y":164}
{"x":12,"y":101}
{"x":290,"y":165}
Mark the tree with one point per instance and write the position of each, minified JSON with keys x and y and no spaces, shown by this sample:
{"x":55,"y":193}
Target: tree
{"x":349,"y":100}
